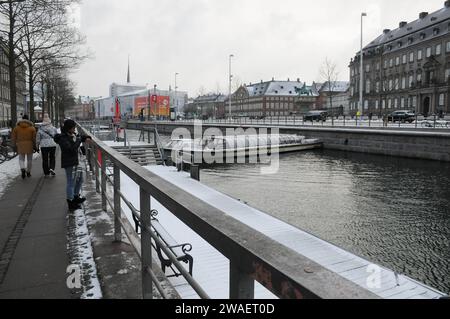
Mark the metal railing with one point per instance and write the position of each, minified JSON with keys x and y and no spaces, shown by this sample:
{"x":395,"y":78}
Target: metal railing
{"x":420,"y":122}
{"x":156,"y":139}
{"x":253,"y":256}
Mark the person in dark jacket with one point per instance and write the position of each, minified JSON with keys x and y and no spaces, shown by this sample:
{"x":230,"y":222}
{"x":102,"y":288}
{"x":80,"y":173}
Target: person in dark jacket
{"x":70,"y":145}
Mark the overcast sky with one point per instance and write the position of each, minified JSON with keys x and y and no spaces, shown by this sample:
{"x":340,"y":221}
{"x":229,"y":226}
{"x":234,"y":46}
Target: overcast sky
{"x":269,"y":38}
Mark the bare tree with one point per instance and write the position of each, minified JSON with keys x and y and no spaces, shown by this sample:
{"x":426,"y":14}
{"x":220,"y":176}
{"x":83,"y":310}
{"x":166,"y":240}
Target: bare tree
{"x":329,"y":73}
{"x":9,"y":29}
{"x":48,"y":41}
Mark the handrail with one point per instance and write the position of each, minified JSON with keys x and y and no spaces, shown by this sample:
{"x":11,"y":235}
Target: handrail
{"x":161,"y":244}
{"x":253,"y":256}
{"x":159,"y":145}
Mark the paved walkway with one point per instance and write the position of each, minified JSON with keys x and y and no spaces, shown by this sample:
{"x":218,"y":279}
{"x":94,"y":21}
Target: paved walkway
{"x":33,"y":237}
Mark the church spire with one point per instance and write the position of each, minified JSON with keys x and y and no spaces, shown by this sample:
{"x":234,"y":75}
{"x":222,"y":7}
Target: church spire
{"x":128,"y":74}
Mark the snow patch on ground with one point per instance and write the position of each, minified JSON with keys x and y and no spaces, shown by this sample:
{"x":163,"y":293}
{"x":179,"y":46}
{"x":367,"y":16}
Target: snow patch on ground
{"x":9,"y":171}
{"x":84,"y":257}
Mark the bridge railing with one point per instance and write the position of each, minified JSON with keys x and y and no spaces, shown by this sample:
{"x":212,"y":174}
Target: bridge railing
{"x":420,"y":122}
{"x":252,"y":255}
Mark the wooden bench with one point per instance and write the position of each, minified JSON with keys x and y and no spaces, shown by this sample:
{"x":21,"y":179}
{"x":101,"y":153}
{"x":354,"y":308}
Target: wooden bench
{"x":179,"y":250}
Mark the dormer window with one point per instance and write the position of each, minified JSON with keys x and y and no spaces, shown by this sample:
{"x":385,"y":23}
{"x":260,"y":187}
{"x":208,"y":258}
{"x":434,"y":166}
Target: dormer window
{"x":436,"y":31}
{"x":410,"y":40}
{"x":422,"y":36}
{"x":400,"y":43}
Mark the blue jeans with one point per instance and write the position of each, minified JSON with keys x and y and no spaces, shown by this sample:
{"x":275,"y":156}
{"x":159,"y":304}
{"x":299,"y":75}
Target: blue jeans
{"x":74,"y":182}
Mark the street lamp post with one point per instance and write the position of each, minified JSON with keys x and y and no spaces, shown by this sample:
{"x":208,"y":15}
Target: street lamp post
{"x":175,"y":99}
{"x":361,"y":76}
{"x":229,"y":87}
{"x":155,"y":102}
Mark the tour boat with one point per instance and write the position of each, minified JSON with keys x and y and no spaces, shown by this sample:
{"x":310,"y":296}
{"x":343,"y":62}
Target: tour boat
{"x":239,"y":146}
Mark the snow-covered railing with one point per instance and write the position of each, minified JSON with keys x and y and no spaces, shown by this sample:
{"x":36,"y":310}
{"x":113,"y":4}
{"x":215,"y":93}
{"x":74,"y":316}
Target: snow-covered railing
{"x":253,"y":256}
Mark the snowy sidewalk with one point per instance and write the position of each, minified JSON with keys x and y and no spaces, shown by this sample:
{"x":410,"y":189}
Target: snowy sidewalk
{"x":33,"y":236}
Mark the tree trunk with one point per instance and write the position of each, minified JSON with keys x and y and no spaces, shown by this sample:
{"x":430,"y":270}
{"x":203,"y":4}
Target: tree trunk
{"x":12,"y":67}
{"x":31,"y":92}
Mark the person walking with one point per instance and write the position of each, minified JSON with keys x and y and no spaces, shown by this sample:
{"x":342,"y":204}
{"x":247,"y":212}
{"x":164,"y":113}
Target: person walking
{"x":47,"y":145}
{"x":70,"y":144}
{"x":24,"y":139}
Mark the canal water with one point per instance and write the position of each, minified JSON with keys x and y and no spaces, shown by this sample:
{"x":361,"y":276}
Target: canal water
{"x":392,"y":211}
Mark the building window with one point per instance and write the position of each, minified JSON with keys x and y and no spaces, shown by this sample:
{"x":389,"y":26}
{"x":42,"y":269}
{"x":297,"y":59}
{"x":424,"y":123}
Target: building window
{"x":397,"y":83}
{"x":397,"y":60}
{"x":447,"y":47}
{"x":411,"y":57}
{"x":447,"y":74}
{"x":367,"y":67}
{"x":402,"y":103}
{"x":419,"y":77}
{"x":419,"y":55}
{"x":368,"y":86}
{"x":436,"y":31}
{"x":404,"y":59}
{"x":377,"y":104}
{"x":403,"y":82}
{"x":391,"y":63}
{"x":414,"y":101}
{"x":366,"y":104}
{"x":428,"y":52}
{"x":441,"y":99}
{"x":383,"y":104}
{"x":389,"y":103}
{"x":391,"y":86}
{"x":438,"y":49}
{"x":411,"y":80}
{"x":396,"y":103}
{"x":378,"y":66}
{"x":377,"y":87}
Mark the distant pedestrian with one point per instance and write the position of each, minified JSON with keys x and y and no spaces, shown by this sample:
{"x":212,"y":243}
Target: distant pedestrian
{"x":24,"y":139}
{"x":70,"y":144}
{"x":47,"y":145}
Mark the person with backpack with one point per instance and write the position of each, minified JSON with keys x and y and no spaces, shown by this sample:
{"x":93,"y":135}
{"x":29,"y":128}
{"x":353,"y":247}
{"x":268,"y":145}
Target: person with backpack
{"x":70,"y":144}
{"x":47,"y":145}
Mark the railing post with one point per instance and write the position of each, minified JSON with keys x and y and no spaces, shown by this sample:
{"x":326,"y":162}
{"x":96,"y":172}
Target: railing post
{"x":146,"y":244}
{"x":195,"y":172}
{"x":242,"y":285}
{"x":117,"y":206}
{"x":97,"y":170}
{"x":104,"y":205}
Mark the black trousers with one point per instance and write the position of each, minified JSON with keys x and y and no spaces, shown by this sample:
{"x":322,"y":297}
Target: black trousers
{"x":48,"y":159}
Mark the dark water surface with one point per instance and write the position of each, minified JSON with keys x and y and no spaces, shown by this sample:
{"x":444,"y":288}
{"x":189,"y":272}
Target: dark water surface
{"x":393,"y":211}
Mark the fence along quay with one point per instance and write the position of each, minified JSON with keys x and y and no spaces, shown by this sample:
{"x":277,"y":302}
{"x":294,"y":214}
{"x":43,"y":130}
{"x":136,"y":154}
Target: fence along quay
{"x":253,"y":256}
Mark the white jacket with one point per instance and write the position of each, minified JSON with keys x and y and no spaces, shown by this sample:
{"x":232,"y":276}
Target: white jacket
{"x":45,"y":136}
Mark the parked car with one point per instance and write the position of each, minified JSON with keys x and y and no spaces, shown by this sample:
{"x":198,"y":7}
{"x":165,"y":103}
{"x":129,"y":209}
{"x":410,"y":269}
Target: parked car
{"x":317,"y":116}
{"x":402,"y":116}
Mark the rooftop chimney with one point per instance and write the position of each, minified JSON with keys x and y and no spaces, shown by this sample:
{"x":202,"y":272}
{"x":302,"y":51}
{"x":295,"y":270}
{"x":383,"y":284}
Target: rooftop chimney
{"x":386,"y":31}
{"x":422,"y":15}
{"x":447,"y":4}
{"x":403,"y":23}
{"x":298,"y":80}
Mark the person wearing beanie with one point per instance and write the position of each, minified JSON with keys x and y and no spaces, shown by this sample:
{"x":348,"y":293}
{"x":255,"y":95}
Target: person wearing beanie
{"x":47,"y":145}
{"x":24,"y":138}
{"x":70,"y":145}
